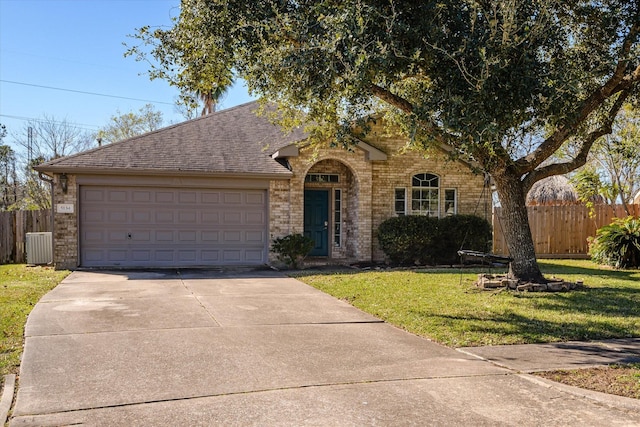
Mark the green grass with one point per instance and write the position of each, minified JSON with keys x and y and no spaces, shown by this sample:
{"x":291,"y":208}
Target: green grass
{"x":445,"y":306}
{"x":20,"y":289}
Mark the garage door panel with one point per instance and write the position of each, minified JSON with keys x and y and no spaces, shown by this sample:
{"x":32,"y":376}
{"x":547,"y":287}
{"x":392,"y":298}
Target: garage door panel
{"x":93,"y":255}
{"x":232,"y":255}
{"x":210,"y":197}
{"x":255,"y":199}
{"x":153,"y":227}
{"x":234,"y":198}
{"x":187,"y":237}
{"x":141,"y":196}
{"x":210,"y":236}
{"x":93,"y":236}
{"x":210,"y":217}
{"x":232,"y":218}
{"x":165,"y":197}
{"x":164,"y":216}
{"x":141,"y":255}
{"x":94,"y":195}
{"x":93,"y":215}
{"x":255,"y":237}
{"x":115,"y":196}
{"x":254,"y":218}
{"x":113,"y":236}
{"x":141,"y":217}
{"x":255,"y":255}
{"x":188,"y":197}
{"x":164,"y":236}
{"x":164,"y":256}
{"x":211,"y":256}
{"x":118,"y":216}
{"x":118,"y":256}
{"x":187,"y":217}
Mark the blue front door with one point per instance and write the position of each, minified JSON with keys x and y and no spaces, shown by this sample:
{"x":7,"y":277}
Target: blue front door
{"x":316,"y":220}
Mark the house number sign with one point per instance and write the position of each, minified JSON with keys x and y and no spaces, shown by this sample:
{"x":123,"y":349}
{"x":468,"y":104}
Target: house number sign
{"x":64,"y":208}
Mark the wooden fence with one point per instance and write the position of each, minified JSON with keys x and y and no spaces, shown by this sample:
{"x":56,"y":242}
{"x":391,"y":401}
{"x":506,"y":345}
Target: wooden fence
{"x":561,"y":231}
{"x":13,"y":229}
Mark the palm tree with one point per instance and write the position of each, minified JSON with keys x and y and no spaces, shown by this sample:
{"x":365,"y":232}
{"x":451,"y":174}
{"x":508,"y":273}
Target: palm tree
{"x":210,"y":98}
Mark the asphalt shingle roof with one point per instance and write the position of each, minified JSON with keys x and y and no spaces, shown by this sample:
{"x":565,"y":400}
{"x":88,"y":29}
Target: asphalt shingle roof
{"x":232,"y":141}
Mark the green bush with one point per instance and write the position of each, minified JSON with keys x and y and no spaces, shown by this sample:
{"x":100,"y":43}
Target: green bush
{"x":292,"y":249}
{"x":457,"y":232}
{"x":617,"y":244}
{"x":409,"y":240}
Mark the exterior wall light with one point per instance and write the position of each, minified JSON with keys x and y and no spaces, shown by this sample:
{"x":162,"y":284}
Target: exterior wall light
{"x":64,"y":182}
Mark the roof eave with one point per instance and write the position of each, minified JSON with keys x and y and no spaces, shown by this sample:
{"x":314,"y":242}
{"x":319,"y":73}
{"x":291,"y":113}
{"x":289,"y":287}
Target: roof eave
{"x":50,"y":170}
{"x":371,"y":153}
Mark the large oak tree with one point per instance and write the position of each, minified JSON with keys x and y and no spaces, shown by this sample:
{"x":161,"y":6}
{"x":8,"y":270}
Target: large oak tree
{"x":506,"y":83}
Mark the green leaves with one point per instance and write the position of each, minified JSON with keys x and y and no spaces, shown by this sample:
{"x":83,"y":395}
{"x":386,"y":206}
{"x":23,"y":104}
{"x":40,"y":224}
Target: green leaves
{"x":617,"y":244}
{"x":415,"y":239}
{"x":292,"y":249}
{"x":504,"y":84}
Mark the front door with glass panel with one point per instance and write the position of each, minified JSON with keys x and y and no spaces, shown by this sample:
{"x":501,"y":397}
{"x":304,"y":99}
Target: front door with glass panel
{"x":316,"y":220}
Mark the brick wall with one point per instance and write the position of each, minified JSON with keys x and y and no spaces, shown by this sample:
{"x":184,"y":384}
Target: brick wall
{"x":65,"y":229}
{"x":355,"y":183}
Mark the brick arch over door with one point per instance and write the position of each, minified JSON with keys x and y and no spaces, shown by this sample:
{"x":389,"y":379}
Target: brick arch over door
{"x":340,"y":184}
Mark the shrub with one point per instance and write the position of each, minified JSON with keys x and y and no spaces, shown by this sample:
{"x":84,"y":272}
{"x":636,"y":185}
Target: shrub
{"x":617,"y":244}
{"x":409,"y":240}
{"x":457,"y":232}
{"x":292,"y":249}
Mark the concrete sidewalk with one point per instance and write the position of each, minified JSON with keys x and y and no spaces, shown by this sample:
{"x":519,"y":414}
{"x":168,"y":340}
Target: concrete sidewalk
{"x":529,"y":358}
{"x":258,"y":348}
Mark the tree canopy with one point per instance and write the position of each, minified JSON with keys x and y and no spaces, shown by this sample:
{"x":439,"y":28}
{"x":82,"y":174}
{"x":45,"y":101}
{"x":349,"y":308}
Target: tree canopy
{"x":506,"y":83}
{"x":127,"y":125}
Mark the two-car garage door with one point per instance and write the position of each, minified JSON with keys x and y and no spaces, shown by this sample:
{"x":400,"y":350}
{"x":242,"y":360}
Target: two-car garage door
{"x":172,"y":227}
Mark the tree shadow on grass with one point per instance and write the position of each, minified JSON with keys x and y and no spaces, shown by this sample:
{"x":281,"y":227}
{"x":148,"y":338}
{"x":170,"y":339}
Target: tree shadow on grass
{"x":549,"y":268}
{"x":514,"y":328}
{"x":603,"y":301}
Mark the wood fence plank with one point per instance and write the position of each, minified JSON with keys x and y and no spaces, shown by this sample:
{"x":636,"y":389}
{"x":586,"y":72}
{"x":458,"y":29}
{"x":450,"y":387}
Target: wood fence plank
{"x":14,"y":227}
{"x":561,"y":231}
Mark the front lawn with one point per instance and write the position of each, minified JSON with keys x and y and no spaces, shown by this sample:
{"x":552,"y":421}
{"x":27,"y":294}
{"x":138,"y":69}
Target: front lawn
{"x":445,"y":306}
{"x":20,"y":289}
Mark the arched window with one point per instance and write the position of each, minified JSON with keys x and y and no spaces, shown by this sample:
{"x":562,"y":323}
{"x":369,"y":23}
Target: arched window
{"x":425,"y":194}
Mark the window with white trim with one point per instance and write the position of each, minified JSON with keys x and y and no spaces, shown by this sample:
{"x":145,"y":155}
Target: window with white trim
{"x":322,"y":177}
{"x":337,"y":217}
{"x":425,"y":194}
{"x":400,"y":201}
{"x":450,"y":201}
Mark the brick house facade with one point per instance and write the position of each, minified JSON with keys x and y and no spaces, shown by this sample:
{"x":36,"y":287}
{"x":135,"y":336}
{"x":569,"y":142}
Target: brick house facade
{"x":348,"y":193}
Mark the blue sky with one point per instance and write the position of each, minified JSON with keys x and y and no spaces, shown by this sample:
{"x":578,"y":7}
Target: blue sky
{"x":76,"y":45}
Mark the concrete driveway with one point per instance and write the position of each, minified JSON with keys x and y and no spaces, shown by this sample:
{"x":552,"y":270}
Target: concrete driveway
{"x":258,"y":348}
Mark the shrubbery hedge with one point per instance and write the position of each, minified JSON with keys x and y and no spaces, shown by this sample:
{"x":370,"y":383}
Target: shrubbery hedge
{"x":420,"y":240}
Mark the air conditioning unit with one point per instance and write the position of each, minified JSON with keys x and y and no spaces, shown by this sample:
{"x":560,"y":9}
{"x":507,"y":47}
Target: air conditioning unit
{"x":39,"y":248}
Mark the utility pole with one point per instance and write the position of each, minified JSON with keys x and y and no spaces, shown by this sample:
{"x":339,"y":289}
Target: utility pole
{"x":30,"y":144}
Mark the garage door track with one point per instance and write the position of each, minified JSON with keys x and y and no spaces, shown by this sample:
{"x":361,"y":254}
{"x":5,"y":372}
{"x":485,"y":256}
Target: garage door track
{"x":194,"y":347}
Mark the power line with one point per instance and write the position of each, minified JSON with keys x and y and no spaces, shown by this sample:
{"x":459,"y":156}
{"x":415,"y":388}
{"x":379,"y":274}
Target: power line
{"x":84,"y":92}
{"x":31,"y":119}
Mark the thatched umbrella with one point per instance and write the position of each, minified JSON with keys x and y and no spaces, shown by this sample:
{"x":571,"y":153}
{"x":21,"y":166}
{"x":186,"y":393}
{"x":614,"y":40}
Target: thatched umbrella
{"x":554,"y":190}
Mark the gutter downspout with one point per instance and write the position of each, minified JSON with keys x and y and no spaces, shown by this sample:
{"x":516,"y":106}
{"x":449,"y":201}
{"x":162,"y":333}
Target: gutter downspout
{"x":53,"y":224}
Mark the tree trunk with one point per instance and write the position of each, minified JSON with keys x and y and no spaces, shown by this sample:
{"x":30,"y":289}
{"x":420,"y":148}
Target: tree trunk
{"x":515,"y":227}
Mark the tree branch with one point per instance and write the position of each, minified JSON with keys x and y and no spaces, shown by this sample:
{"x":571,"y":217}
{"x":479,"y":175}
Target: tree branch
{"x":391,"y":98}
{"x":618,"y":82}
{"x":581,"y":158}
